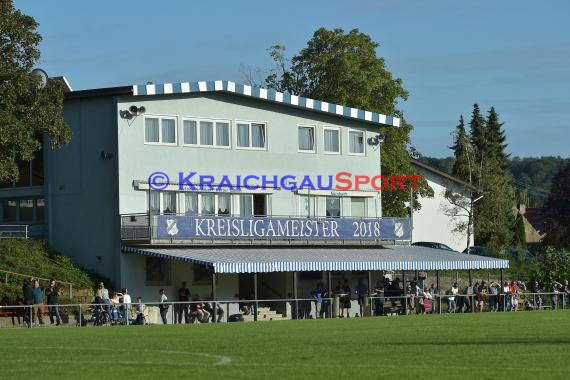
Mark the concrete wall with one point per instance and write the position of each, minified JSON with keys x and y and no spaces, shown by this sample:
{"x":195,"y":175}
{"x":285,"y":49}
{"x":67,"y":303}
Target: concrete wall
{"x":82,"y":188}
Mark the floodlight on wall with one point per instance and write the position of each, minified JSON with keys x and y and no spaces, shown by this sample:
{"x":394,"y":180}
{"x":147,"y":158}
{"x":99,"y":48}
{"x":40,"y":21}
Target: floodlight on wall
{"x":42,"y":75}
{"x":132,"y":112}
{"x":375,"y":141}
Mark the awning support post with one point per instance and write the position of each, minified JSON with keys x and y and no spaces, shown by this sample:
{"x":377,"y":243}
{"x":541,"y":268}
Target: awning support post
{"x":256,"y":304}
{"x":369,"y":287}
{"x":214,"y":297}
{"x":330,"y":294}
{"x":405,"y":296}
{"x":295,"y":295}
{"x":439,"y":299}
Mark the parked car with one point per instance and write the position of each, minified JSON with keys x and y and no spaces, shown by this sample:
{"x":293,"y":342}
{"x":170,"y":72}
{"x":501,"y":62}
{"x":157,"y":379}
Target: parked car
{"x":479,"y":250}
{"x":432,"y":244}
{"x":518,"y":254}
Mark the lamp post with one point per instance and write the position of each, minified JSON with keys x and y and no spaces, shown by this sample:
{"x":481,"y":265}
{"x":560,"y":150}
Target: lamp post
{"x":470,"y":219}
{"x":380,"y":140}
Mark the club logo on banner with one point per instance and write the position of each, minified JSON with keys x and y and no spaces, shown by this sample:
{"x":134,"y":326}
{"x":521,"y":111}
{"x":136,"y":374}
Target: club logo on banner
{"x":279,"y":228}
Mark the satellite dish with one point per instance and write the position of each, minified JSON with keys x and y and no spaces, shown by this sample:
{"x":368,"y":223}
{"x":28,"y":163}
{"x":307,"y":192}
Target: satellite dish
{"x":42,"y":75}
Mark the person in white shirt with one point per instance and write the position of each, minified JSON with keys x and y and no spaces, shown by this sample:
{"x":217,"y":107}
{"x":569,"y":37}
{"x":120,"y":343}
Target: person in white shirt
{"x":126,"y":305}
{"x":454,"y":291}
{"x":163,"y":306}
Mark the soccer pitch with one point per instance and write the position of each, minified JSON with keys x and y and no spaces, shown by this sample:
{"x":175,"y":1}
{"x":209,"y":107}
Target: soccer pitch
{"x":464,"y":346}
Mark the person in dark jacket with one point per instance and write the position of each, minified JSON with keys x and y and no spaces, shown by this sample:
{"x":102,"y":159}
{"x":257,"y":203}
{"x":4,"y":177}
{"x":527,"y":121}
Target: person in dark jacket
{"x":52,"y":293}
{"x":28,"y":302}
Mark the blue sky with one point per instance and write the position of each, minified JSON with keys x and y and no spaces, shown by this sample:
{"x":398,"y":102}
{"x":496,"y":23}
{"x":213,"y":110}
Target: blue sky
{"x":513,"y":55}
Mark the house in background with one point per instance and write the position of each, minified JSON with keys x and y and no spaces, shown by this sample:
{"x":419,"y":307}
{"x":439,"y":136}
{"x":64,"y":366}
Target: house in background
{"x":432,"y":223}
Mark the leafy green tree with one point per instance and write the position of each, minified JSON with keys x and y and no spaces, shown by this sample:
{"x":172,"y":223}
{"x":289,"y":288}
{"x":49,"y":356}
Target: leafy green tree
{"x":558,"y":210}
{"x":28,"y":110}
{"x":343,"y":68}
{"x":553,"y":265}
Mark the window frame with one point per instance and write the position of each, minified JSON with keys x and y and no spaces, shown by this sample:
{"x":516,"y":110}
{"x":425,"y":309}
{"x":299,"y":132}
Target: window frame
{"x":165,"y":269}
{"x":215,"y":123}
{"x":250,"y":142}
{"x":314,"y":149}
{"x":363,"y":133}
{"x":337,"y":129}
{"x":160,"y":125}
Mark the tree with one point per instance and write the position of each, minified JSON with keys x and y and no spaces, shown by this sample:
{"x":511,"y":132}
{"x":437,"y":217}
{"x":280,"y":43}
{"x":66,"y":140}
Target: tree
{"x":343,"y":68}
{"x":495,"y":140}
{"x":461,"y":151}
{"x":488,"y":200}
{"x":28,"y":110}
{"x":558,"y":209}
{"x":478,"y":139}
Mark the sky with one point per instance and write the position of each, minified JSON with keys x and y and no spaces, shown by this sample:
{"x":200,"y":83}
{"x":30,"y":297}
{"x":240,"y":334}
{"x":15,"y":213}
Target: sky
{"x":513,"y":55}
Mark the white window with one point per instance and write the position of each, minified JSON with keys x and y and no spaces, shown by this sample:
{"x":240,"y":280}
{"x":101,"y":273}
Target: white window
{"x":190,"y":131}
{"x":251,"y":135}
{"x":333,"y":207}
{"x":331,"y":140}
{"x":246,"y":205}
{"x":162,"y":202}
{"x":356,"y":142}
{"x":207,"y":203}
{"x":160,"y":130}
{"x":306,"y":138}
{"x":307,"y":207}
{"x":358,"y":207}
{"x":203,"y":132}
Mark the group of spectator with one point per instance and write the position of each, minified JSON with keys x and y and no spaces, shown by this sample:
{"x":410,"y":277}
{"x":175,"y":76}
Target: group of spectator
{"x":189,"y":309}
{"x":34,"y":295}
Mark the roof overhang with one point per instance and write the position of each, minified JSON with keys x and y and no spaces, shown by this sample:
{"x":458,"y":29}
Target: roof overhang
{"x":291,"y":259}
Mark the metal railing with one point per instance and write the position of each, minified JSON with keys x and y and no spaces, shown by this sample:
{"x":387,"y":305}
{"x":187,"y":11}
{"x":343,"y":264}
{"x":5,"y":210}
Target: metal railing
{"x":90,"y":314}
{"x":14,"y":231}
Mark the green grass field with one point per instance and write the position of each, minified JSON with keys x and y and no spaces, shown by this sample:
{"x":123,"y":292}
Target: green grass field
{"x":515,"y":345}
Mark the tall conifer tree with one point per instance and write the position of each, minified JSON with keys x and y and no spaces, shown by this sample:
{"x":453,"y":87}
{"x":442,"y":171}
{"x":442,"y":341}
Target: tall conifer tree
{"x":461,"y":151}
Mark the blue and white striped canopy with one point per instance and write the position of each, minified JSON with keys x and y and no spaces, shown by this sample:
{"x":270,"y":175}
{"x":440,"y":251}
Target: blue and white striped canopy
{"x":298,"y":259}
{"x":266,"y":95}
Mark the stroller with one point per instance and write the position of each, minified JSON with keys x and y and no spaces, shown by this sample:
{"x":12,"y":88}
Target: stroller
{"x":100,"y":316}
{"x":116,"y":317}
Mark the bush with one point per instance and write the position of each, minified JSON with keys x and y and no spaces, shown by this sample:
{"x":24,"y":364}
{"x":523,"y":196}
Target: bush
{"x":32,"y":258}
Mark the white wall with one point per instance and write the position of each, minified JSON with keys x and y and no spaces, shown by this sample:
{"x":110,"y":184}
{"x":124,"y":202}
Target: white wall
{"x":431,"y":223}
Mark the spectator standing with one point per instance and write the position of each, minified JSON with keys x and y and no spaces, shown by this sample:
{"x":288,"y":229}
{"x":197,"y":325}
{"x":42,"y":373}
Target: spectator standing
{"x":163,"y":306}
{"x":435,"y":299}
{"x":361,"y":291}
{"x":536,"y":295}
{"x":126,"y":303}
{"x":28,"y":302}
{"x":182,"y":307}
{"x":52,"y":294}
{"x":493,"y":296}
{"x":453,"y":292}
{"x":103,"y":295}
{"x":379,"y":300}
{"x":506,"y":297}
{"x":38,"y":302}
{"x":555,"y":288}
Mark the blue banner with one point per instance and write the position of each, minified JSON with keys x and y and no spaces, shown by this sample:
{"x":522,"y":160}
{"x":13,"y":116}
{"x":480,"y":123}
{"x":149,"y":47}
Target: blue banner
{"x":280,"y":228}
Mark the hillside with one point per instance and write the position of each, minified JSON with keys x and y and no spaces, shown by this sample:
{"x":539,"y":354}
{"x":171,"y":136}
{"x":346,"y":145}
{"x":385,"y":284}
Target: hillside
{"x":532,"y":176}
{"x":20,"y":259}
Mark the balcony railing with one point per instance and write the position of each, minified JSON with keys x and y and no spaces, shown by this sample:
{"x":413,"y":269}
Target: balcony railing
{"x":224,"y":229}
